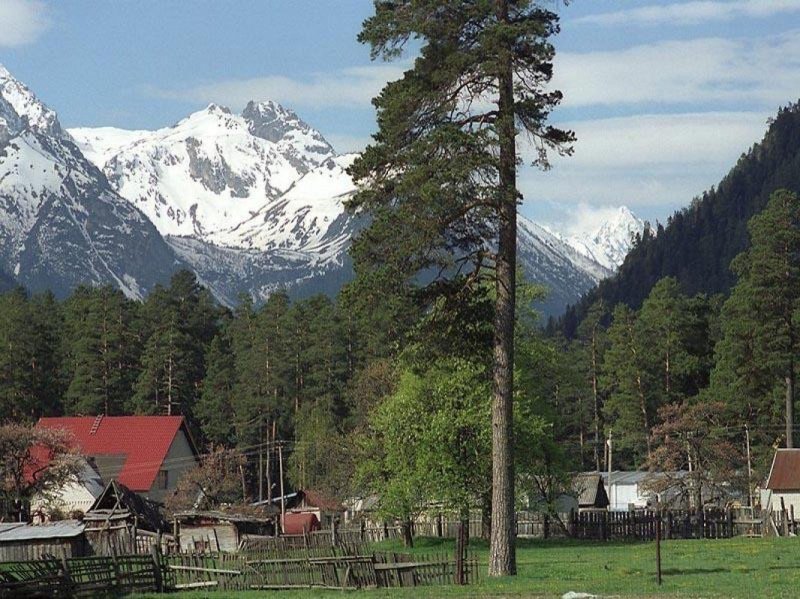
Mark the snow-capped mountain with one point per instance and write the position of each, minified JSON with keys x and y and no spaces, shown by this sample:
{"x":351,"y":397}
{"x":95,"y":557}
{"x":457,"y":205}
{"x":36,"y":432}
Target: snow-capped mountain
{"x":251,"y":202}
{"x":61,"y":224}
{"x":210,"y":172}
{"x":611,"y":241}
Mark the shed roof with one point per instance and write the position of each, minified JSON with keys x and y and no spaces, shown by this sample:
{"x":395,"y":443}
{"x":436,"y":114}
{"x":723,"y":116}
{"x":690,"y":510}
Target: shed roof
{"x":63,"y":529}
{"x":590,"y":490}
{"x":784,"y":475}
{"x":141,"y":443}
{"x":243,"y":515}
{"x":117,"y":499}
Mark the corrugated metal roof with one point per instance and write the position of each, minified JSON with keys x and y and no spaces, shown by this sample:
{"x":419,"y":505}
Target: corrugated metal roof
{"x":785,"y":472}
{"x":54,"y":530}
{"x":634,"y":477}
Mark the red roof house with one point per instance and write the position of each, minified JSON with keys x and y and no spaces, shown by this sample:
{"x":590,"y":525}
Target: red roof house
{"x":147,"y":454}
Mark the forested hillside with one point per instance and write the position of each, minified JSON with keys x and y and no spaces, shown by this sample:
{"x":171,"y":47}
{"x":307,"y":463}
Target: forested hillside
{"x":699,"y":242}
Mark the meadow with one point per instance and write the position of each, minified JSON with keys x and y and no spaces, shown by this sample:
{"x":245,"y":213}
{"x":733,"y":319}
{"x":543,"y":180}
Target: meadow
{"x":735,"y":568}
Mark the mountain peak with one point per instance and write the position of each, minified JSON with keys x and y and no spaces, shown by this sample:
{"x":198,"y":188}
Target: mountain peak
{"x":28,"y":107}
{"x":212,"y":108}
{"x":273,"y":122}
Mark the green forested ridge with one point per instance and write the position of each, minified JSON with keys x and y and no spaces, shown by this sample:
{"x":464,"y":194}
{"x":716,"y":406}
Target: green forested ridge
{"x":699,"y":242}
{"x":393,"y":397}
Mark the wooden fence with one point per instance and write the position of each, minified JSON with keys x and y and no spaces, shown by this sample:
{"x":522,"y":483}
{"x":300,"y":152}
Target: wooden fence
{"x":675,"y":524}
{"x":266,"y":568}
{"x":82,"y":576}
{"x":630,"y":525}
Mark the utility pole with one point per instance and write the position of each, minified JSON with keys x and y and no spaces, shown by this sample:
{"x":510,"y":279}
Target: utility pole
{"x":283,"y":496}
{"x":261,"y":461}
{"x":608,"y":442}
{"x":270,"y":439}
{"x":749,"y":465}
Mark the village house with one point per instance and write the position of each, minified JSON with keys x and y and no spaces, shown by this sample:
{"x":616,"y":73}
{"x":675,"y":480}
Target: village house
{"x":146,"y":454}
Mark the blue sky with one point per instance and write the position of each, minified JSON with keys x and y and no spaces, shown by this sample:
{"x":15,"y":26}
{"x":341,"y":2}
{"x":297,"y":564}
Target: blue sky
{"x":664,"y":96}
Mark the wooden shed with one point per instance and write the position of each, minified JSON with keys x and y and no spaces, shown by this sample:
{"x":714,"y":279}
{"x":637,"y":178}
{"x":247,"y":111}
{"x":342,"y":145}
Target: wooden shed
{"x":221,"y":530}
{"x":19,"y":541}
{"x":122,"y":521}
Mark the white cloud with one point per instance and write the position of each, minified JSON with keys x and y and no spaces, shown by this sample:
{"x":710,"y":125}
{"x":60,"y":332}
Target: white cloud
{"x":583,"y":219}
{"x":692,"y":13}
{"x":22,"y":21}
{"x":351,"y":87}
{"x":765,"y":71}
{"x":645,"y":160}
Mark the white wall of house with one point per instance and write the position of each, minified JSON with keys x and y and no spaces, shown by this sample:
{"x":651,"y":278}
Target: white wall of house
{"x":623,"y":495}
{"x":71,"y":497}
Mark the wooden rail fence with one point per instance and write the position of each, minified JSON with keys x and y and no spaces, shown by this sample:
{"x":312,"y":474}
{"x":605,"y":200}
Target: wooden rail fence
{"x":266,"y":568}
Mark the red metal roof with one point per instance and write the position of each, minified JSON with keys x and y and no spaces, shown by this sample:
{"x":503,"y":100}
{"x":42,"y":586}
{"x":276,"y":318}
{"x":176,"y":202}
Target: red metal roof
{"x":785,"y":472}
{"x":143,"y":441}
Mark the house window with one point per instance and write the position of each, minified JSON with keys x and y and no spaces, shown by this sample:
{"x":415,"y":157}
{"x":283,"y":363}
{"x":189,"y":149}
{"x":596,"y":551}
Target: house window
{"x":161,"y":479}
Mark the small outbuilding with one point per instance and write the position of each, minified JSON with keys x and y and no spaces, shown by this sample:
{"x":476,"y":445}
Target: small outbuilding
{"x":782,"y":490}
{"x":590,"y":492}
{"x":326,"y":509}
{"x":221,"y":530}
{"x":21,"y":542}
{"x":122,"y":521}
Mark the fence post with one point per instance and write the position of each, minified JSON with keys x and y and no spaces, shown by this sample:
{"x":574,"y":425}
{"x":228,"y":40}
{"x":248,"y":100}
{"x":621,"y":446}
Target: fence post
{"x":155,"y":552}
{"x":658,"y":547}
{"x":115,"y":564}
{"x":546,"y":526}
{"x":572,"y":522}
{"x":334,"y":536}
{"x":605,"y":525}
{"x":65,"y":567}
{"x":363,"y":530}
{"x":784,"y":518}
{"x":460,"y":550}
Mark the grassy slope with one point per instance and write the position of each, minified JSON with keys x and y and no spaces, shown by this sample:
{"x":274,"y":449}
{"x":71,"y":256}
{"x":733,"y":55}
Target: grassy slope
{"x":714,"y":568}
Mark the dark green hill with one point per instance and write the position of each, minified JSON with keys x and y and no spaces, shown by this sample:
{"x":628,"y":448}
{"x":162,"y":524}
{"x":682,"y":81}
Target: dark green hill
{"x":699,"y":241}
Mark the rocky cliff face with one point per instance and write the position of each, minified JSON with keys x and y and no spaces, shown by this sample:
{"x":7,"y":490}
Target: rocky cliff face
{"x":61,"y":224}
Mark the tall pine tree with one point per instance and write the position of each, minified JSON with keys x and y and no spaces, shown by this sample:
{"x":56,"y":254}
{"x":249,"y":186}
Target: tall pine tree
{"x":440,"y":179}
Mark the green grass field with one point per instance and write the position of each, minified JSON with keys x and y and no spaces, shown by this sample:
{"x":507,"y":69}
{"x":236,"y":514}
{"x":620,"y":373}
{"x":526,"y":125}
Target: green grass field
{"x":714,"y":568}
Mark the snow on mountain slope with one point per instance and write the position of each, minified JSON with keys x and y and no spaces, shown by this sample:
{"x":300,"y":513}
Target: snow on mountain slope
{"x":61,"y":224}
{"x":250,"y":202}
{"x":310,"y":216}
{"x":210,"y":172}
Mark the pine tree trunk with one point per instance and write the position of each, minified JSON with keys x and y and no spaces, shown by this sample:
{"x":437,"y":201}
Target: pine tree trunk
{"x":502,"y":558}
{"x":596,"y":402}
{"x":790,"y":406}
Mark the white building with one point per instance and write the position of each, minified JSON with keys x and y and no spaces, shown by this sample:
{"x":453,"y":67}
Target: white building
{"x":75,"y":496}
